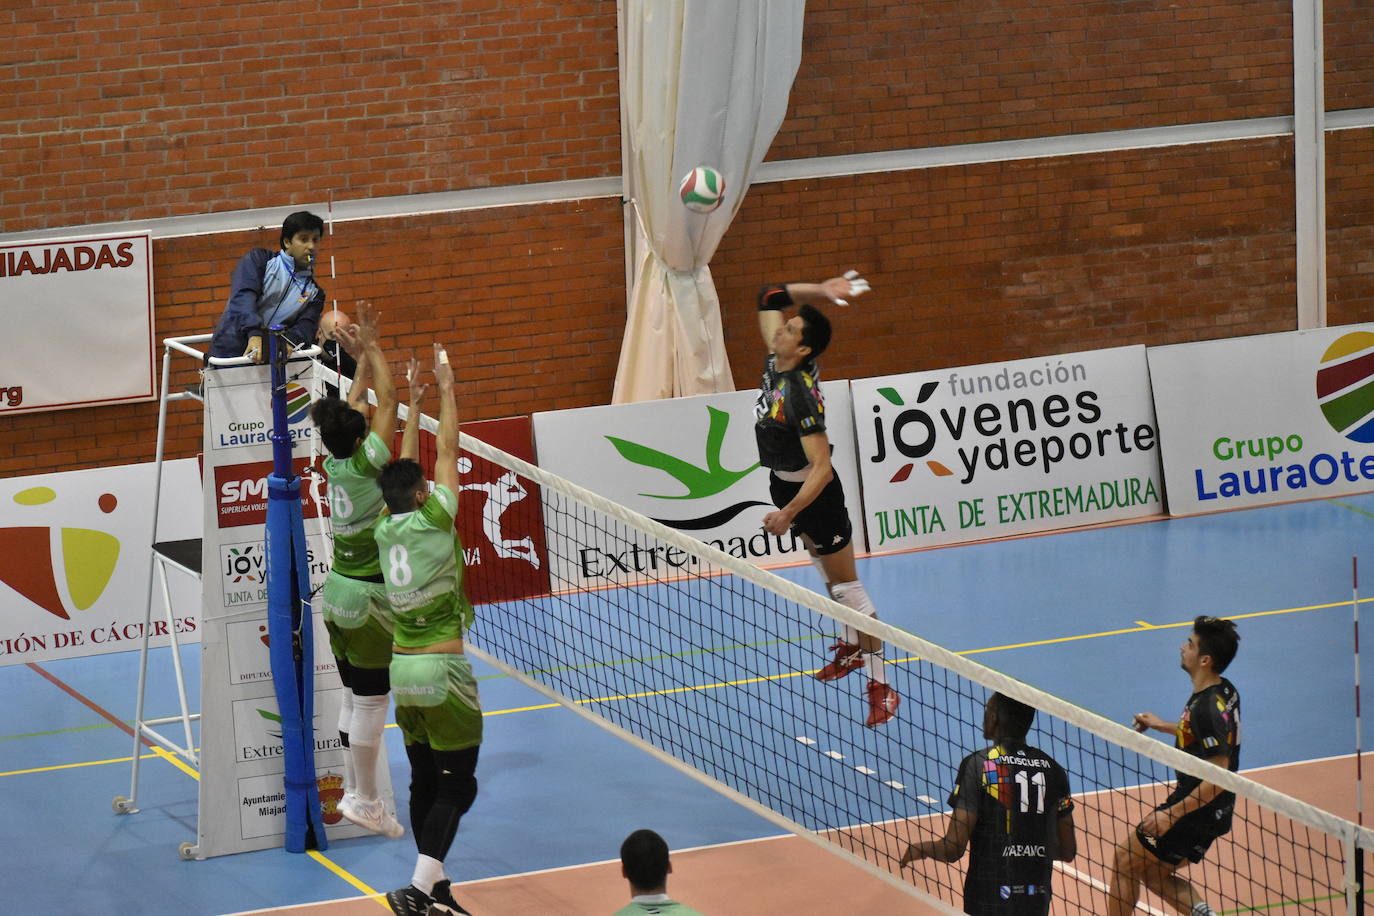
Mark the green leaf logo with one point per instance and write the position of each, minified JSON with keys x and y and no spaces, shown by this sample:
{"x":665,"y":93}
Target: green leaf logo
{"x":700,"y":482}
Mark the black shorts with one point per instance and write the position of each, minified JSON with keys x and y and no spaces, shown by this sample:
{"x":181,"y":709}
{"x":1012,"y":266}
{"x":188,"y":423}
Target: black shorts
{"x":825,"y":521}
{"x":1189,"y":838}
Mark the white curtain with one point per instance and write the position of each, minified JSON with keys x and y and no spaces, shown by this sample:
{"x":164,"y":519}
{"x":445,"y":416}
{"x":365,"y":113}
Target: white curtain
{"x":703,"y":82}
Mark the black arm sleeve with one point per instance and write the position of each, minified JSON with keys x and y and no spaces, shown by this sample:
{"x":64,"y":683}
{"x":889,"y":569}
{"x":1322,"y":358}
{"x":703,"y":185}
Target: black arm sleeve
{"x":773,"y":297}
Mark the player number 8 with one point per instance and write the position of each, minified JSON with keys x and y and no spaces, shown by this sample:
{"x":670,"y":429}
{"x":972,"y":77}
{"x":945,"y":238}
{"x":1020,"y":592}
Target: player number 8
{"x":399,"y":559}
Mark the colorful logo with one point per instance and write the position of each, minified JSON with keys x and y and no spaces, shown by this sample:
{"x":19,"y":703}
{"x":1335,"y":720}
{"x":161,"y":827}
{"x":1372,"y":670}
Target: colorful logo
{"x":892,"y":396}
{"x":331,"y":789}
{"x":30,"y":557}
{"x":297,"y":403}
{"x":1345,"y":386}
{"x":701,"y":482}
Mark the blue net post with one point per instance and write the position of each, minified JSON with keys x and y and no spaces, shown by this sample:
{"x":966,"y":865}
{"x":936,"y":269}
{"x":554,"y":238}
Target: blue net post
{"x":289,"y":623}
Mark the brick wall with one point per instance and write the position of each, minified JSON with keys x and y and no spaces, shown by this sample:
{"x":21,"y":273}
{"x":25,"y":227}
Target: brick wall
{"x":890,"y":74}
{"x":155,"y":108}
{"x":1349,"y":226}
{"x":1018,"y":259}
{"x":117,"y":109}
{"x":529,"y":301}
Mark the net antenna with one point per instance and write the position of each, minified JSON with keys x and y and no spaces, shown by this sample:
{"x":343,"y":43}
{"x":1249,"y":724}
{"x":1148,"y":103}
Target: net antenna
{"x":289,"y":621}
{"x":1357,"y":863}
{"x":705,"y":661}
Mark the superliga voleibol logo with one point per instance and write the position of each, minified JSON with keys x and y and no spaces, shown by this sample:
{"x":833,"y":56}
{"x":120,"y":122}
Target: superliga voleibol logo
{"x":1345,"y":386}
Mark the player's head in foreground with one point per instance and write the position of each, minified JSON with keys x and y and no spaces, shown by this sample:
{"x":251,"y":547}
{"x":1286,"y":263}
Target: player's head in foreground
{"x":403,"y":485}
{"x":300,"y":236}
{"x":342,"y":428}
{"x":1212,"y":645}
{"x":644,"y":862}
{"x":330,"y":322}
{"x":1007,"y":720}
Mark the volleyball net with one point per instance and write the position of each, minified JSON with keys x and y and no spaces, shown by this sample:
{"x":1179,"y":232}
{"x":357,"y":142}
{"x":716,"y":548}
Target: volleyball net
{"x":707,"y":662}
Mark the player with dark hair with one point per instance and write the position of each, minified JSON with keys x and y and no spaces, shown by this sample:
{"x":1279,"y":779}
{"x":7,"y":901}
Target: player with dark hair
{"x":437,"y":706}
{"x":1012,"y":802}
{"x":1196,"y":812}
{"x":354,"y":603}
{"x":270,"y":288}
{"x":789,"y":423}
{"x":644,"y":864}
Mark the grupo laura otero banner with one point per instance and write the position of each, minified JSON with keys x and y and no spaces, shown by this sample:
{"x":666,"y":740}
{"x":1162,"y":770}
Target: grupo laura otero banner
{"x":1008,"y":448}
{"x":690,"y":463}
{"x":78,"y":323}
{"x":1251,"y":421}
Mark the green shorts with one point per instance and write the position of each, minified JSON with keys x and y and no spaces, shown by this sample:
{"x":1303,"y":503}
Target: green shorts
{"x":359,"y":620}
{"x":436,"y":700}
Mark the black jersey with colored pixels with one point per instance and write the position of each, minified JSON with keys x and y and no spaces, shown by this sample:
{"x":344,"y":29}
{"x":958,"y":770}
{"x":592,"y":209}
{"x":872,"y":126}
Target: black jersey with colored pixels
{"x":790,"y":405}
{"x":1209,"y":726}
{"x":1018,"y":794}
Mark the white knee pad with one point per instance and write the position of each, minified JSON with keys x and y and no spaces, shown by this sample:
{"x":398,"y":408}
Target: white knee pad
{"x":369,"y":718}
{"x":853,"y":596}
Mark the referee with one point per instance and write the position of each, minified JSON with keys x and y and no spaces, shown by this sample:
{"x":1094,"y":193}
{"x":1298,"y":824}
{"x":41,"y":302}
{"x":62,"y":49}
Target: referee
{"x":789,"y":423}
{"x":1012,"y":802}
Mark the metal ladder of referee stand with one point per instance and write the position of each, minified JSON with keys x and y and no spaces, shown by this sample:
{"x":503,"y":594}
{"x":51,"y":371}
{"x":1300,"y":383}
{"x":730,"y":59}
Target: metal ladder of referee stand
{"x":184,"y":556}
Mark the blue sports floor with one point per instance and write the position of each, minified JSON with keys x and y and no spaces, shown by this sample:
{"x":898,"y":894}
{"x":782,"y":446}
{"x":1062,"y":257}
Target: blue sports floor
{"x":1094,"y":616}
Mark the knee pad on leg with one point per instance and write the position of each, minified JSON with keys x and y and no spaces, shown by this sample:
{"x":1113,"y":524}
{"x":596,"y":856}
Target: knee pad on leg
{"x":853,"y":596}
{"x":369,"y":718}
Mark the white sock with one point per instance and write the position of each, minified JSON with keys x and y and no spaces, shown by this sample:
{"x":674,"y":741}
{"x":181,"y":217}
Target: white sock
{"x":345,"y":723}
{"x":365,"y":736}
{"x":1202,"y":909}
{"x":853,"y":596}
{"x":873,"y":666}
{"x":428,"y":872}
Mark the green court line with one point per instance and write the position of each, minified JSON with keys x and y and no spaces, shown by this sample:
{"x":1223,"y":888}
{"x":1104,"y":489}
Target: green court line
{"x":60,"y":731}
{"x":1265,"y":907}
{"x":1356,"y":509}
{"x":654,"y":658}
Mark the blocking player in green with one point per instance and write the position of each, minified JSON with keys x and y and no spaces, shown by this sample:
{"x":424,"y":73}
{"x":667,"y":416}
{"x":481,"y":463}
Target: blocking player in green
{"x":436,"y":695}
{"x":354,"y":602}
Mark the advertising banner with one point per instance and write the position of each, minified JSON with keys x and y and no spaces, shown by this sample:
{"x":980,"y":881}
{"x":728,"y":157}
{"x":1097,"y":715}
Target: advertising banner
{"x":690,"y":463}
{"x":75,"y":550}
{"x":500,"y":517}
{"x":84,"y":303}
{"x":242,"y":797}
{"x":1274,"y":418}
{"x":1008,"y":448}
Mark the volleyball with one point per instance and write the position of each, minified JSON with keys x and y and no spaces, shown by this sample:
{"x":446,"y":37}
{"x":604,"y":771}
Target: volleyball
{"x":702,"y":189}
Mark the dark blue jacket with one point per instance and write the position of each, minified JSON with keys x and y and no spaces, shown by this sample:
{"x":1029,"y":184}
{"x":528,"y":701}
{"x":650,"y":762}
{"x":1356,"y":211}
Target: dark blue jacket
{"x":240,"y":320}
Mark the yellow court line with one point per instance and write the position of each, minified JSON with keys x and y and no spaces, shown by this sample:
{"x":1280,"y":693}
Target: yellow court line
{"x":1142,"y":628}
{"x":356,"y":882}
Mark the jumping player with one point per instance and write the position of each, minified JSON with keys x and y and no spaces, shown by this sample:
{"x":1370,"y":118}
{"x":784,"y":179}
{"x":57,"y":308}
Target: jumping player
{"x":1197,"y":812}
{"x":790,"y":428}
{"x":354,"y":601}
{"x":436,"y":694}
{"x":1012,"y":801}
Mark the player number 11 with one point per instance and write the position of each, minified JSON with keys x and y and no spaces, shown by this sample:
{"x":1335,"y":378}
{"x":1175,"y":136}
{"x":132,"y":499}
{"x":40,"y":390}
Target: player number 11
{"x":1025,"y":782}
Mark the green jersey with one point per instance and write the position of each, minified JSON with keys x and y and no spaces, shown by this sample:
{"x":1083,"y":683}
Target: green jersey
{"x":648,"y":908}
{"x":423,"y":568}
{"x":355,"y":502}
